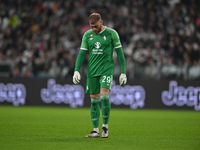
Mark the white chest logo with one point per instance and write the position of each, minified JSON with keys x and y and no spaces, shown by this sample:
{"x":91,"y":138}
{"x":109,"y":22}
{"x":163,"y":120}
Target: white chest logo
{"x":97,"y":45}
{"x":104,"y":37}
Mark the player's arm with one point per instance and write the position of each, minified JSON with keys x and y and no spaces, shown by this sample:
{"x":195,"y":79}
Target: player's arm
{"x":122,"y":63}
{"x":121,"y":58}
{"x":79,"y":61}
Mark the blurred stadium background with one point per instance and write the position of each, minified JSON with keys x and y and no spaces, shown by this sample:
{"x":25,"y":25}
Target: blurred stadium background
{"x":40,"y":39}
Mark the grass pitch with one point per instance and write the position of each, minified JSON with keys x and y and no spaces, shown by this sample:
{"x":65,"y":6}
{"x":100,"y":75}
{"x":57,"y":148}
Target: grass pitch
{"x":63,"y":128}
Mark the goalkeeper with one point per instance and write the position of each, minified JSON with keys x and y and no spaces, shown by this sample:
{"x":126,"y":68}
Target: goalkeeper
{"x":99,"y":42}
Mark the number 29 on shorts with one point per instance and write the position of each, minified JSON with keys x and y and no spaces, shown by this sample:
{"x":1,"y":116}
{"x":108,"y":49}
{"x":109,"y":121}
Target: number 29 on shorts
{"x":106,"y":81}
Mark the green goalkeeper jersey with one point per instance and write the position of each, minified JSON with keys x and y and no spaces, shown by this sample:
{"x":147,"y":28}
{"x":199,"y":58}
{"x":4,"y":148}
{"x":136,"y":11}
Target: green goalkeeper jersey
{"x":100,"y":47}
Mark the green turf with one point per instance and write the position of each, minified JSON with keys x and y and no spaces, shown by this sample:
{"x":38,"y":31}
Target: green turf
{"x":63,"y":128}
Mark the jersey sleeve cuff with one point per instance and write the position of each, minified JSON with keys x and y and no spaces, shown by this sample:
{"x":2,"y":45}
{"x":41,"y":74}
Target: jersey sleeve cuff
{"x":85,"y":49}
{"x":118,"y":47}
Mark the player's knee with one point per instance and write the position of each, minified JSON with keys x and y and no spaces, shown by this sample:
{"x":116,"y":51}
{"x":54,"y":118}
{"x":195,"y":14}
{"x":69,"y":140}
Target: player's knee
{"x":105,"y":100}
{"x":104,"y":97}
{"x":95,"y":95}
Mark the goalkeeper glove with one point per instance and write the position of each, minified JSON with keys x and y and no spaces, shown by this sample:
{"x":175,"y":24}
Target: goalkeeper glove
{"x":122,"y":79}
{"x":76,"y":77}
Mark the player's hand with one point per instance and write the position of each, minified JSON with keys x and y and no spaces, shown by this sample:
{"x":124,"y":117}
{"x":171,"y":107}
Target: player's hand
{"x":122,"y":79}
{"x":76,"y":77}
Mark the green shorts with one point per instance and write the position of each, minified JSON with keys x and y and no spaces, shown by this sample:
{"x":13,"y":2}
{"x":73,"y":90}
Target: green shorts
{"x":94,"y":84}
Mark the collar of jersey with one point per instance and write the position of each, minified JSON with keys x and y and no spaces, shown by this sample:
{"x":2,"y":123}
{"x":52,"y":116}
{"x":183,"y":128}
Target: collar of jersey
{"x":103,"y":30}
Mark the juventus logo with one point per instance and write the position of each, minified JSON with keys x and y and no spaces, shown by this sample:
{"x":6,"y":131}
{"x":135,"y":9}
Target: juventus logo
{"x":97,"y":45}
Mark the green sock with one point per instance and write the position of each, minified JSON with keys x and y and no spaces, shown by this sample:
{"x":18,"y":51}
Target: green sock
{"x":95,"y":112}
{"x":105,"y":108}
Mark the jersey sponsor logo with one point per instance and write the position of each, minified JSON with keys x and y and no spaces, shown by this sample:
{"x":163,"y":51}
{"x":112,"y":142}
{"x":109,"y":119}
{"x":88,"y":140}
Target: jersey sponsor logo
{"x":91,"y":38}
{"x":97,"y":44}
{"x":97,"y":51}
{"x":104,"y":37}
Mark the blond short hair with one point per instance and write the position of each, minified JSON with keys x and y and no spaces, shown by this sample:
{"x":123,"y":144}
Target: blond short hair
{"x":94,"y":17}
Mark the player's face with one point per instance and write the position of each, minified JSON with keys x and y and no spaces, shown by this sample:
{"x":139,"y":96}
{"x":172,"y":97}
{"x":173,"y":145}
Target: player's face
{"x":96,"y":27}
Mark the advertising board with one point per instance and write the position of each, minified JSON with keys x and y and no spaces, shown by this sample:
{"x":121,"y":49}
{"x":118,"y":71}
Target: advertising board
{"x":136,"y":94}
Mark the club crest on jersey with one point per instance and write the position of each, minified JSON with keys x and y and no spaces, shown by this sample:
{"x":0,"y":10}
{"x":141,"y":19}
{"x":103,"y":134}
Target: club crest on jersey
{"x":97,"y":45}
{"x":91,"y":35}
